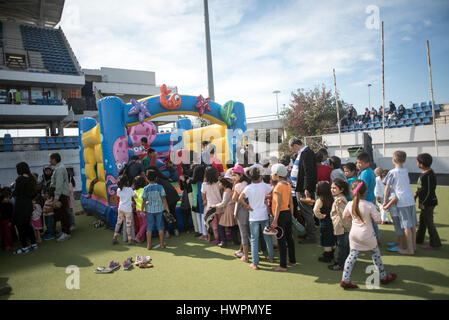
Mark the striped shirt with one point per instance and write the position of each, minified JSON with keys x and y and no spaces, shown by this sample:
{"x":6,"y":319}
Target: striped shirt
{"x":48,"y":208}
{"x":153,"y":194}
{"x":295,"y":170}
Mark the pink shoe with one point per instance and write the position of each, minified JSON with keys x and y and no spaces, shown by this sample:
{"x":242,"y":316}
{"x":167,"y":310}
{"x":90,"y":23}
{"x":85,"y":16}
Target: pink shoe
{"x":214,"y":242}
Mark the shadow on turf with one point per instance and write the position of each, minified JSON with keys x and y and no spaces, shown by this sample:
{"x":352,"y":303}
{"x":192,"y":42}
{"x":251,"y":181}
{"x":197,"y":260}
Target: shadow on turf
{"x":4,"y":282}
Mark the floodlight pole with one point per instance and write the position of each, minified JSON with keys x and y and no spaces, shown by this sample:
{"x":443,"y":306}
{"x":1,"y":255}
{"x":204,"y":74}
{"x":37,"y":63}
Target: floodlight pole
{"x":210,"y":75}
{"x":433,"y":101}
{"x":276,"y":92}
{"x":338,"y":113}
{"x":383,"y":89}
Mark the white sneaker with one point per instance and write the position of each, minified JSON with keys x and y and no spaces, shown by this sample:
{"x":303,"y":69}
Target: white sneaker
{"x":72,"y":228}
{"x":167,"y":235}
{"x":63,"y":237}
{"x":176,"y":232}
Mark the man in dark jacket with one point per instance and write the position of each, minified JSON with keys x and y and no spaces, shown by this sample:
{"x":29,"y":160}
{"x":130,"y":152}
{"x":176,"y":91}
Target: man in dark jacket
{"x":305,"y":184}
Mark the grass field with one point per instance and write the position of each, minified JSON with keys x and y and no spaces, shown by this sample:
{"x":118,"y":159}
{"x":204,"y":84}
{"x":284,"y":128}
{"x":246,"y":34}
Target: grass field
{"x":194,"y":269}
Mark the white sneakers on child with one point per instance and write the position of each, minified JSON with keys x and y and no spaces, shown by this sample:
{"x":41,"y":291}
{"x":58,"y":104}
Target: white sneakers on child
{"x":63,"y":237}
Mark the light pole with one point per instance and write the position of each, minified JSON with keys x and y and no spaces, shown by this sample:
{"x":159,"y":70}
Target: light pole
{"x":276,"y":92}
{"x":369,"y":96}
{"x":210,"y":76}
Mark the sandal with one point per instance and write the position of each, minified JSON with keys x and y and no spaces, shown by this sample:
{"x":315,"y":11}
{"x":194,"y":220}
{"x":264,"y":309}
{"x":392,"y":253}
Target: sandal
{"x":390,"y":277}
{"x":145,"y":265}
{"x":239,"y":254}
{"x":254,"y":266}
{"x":128,"y":263}
{"x":23,"y":250}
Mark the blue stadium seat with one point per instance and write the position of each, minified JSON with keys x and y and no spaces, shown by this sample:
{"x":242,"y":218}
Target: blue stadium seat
{"x":44,"y":146}
{"x":414,"y":116}
{"x":437,"y":107}
{"x":50,"y":140}
{"x":42,"y":140}
{"x":7,"y":139}
{"x":392,"y":124}
{"x":422,"y":115}
{"x":415,"y":105}
{"x":371,"y":126}
{"x":61,"y":146}
{"x":378,"y":126}
{"x":76,"y":145}
{"x":59,"y":140}
{"x":426,"y":121}
{"x":400,"y":123}
{"x":417,"y":121}
{"x":408,"y":122}
{"x":344,"y":129}
{"x":405,"y":116}
{"x":351,"y":128}
{"x":418,"y":110}
{"x":427,"y":109}
{"x":69,"y":145}
{"x":52,"y":146}
{"x":423,"y":104}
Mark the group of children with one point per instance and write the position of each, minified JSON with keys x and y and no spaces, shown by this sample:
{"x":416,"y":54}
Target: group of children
{"x":42,"y":215}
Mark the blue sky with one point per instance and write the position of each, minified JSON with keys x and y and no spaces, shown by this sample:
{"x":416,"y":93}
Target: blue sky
{"x":261,"y":46}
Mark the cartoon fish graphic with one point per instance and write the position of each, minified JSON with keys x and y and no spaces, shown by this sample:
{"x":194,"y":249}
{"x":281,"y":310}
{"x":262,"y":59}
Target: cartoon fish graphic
{"x":226,"y":113}
{"x":171,"y":104}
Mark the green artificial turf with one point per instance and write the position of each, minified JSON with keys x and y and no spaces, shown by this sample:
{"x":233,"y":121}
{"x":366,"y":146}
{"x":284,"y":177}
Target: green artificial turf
{"x":194,"y":269}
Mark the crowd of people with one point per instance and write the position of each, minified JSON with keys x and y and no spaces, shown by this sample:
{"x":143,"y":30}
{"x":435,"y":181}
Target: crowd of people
{"x":254,"y":206}
{"x":373,"y":115}
{"x":33,"y":202}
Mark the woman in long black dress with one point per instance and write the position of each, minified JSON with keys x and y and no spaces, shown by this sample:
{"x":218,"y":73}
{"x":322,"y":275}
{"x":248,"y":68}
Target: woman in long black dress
{"x":24,"y":192}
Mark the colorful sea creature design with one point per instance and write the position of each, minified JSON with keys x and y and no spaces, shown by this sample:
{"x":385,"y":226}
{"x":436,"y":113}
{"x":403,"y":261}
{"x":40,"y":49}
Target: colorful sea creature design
{"x":202,"y":105}
{"x":171,"y":104}
{"x":140,"y":109}
{"x":226,"y":112}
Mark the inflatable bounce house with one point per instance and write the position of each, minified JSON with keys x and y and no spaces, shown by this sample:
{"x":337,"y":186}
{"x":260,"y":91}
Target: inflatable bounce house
{"x":108,"y":145}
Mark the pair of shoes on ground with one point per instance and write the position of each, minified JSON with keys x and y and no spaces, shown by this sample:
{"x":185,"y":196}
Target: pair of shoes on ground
{"x":26,"y":249}
{"x":143,"y":261}
{"x":349,"y":285}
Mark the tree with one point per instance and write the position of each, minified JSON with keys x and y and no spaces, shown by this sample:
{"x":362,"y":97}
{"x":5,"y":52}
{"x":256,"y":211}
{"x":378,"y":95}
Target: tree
{"x":310,"y":113}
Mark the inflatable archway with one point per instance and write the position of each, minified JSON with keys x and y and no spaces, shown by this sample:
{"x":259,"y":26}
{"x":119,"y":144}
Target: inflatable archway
{"x":107,"y":145}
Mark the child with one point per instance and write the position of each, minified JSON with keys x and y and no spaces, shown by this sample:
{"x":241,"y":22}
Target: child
{"x":36,"y":221}
{"x":139,"y":184}
{"x":323,"y":171}
{"x":228,"y":206}
{"x":322,"y":211}
{"x":154,"y":202}
{"x":72,"y":202}
{"x":335,"y":166}
{"x":125,"y":211}
{"x":379,"y":191}
{"x":258,"y":214}
{"x":340,"y":190}
{"x":282,"y":209}
{"x":368,"y":176}
{"x":186,"y":187}
{"x":6,"y":212}
{"x":362,"y":236}
{"x":197,"y":199}
{"x":211,"y":196}
{"x":49,"y":215}
{"x":427,"y":199}
{"x":240,"y":212}
{"x":391,"y":206}
{"x":399,"y":180}
{"x":350,"y":170}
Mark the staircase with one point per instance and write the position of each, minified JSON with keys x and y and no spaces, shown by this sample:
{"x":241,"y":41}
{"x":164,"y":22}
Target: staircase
{"x":12,"y":36}
{"x":35,"y":60}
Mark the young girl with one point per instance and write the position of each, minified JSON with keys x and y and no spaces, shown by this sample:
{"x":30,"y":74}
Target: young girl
{"x":240,"y":212}
{"x":362,"y":236}
{"x":282,"y":209}
{"x":140,"y":183}
{"x":340,"y":190}
{"x":186,"y":187}
{"x":322,"y":211}
{"x":125,"y":211}
{"x":49,"y":215}
{"x":335,"y":166}
{"x":211,"y":196}
{"x":36,"y":217}
{"x":323,"y":171}
{"x":227,"y":219}
{"x":258,"y":214}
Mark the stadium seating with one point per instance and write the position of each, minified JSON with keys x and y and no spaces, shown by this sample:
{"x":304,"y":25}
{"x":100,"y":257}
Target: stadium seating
{"x":1,"y":34}
{"x":50,"y":43}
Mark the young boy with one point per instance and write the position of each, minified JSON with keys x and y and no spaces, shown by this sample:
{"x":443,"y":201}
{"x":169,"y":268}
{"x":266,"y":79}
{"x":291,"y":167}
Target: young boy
{"x":150,"y":159}
{"x":427,"y":202}
{"x":399,"y":180}
{"x":368,"y":176}
{"x":154,"y":202}
{"x":391,"y":206}
{"x":145,"y":145}
{"x":379,"y":191}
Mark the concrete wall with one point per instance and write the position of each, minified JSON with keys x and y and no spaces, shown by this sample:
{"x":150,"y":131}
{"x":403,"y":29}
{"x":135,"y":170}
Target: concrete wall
{"x":41,"y":78}
{"x":37,"y":160}
{"x":412,"y":140}
{"x":128,"y":76}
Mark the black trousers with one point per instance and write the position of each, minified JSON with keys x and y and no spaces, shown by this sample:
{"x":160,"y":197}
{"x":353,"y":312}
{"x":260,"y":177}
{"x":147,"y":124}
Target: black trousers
{"x":186,"y":214}
{"x":26,"y":233}
{"x":234,"y":234}
{"x":286,"y":240}
{"x":306,"y":212}
{"x":426,"y":222}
